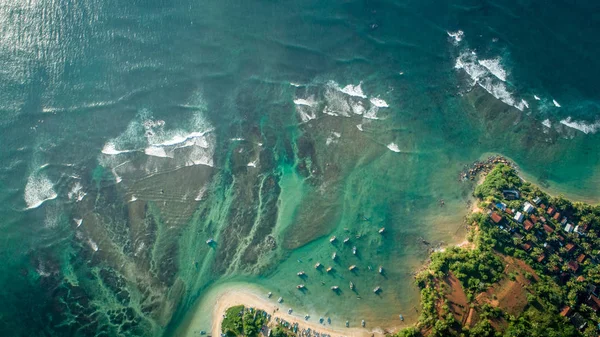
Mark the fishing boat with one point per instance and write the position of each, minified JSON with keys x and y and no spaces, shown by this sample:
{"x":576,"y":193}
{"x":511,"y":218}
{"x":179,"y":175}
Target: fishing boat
{"x":269,"y":294}
{"x":401,"y":317}
{"x":352,"y":267}
{"x":333,"y":256}
{"x":380,"y":270}
{"x":354,"y":250}
{"x":317,"y":265}
{"x":300,"y":273}
{"x":381,"y":230}
{"x":347,"y":324}
{"x":362,"y":323}
{"x":279,"y":300}
{"x":329,"y":269}
{"x":346,"y":240}
{"x":290,"y":310}
{"x":306,"y":317}
{"x":333,"y":238}
{"x":351,"y":285}
{"x":377,"y":290}
{"x":335,"y":288}
{"x":210,"y":241}
{"x":300,"y":286}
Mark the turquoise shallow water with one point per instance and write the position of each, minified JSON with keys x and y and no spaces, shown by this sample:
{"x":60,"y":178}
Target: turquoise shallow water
{"x":134,"y":132}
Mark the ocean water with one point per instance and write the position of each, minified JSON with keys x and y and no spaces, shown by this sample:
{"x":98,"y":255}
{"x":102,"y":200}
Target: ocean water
{"x":132,"y":132}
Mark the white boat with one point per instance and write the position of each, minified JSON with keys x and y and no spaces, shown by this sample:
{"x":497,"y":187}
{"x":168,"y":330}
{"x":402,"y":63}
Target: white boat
{"x":333,"y":256}
{"x":335,"y":288}
{"x":333,"y":238}
{"x":347,"y":324}
{"x":210,"y":241}
{"x":401,"y":317}
{"x":381,"y":230}
{"x":362,"y":323}
{"x":351,"y":285}
{"x":380,"y":270}
{"x":300,"y":286}
{"x":279,"y":300}
{"x":300,"y":273}
{"x":269,"y":294}
{"x":290,"y":310}
{"x":329,"y":269}
{"x":352,"y":267}
{"x":346,"y":240}
{"x":317,"y":265}
{"x":377,"y":290}
{"x":354,"y":250}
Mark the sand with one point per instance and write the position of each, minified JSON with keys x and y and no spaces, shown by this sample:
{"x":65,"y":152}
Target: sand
{"x":231,"y":295}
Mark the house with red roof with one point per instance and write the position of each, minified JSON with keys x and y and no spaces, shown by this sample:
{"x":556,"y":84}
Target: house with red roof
{"x":548,"y":229}
{"x":497,"y":218}
{"x":528,"y":225}
{"x":573,"y":265}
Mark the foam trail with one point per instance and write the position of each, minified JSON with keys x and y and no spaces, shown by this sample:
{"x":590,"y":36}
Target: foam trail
{"x":457,"y":36}
{"x":393,"y":147}
{"x":581,"y":126}
{"x":495,"y":67}
{"x":38,"y":190}
{"x":378,"y":102}
{"x":547,"y":123}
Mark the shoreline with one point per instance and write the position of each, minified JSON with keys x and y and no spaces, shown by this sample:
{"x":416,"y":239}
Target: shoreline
{"x":229,"y":295}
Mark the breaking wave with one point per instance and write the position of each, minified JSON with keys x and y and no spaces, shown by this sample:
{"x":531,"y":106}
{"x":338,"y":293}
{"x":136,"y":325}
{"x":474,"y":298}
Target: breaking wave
{"x":581,"y":126}
{"x":38,"y":190}
{"x":489,"y":75}
{"x":335,"y":100}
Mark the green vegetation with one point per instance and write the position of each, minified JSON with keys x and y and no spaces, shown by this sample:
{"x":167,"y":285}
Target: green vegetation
{"x":241,"y":322}
{"x":563,"y":258}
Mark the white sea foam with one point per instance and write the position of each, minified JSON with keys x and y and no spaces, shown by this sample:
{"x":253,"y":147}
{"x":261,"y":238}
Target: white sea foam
{"x":378,"y":102}
{"x":92,"y":245}
{"x":581,"y":126}
{"x":302,"y":101}
{"x":110,"y":149}
{"x":547,"y":123}
{"x":555,"y":103}
{"x":340,"y":102}
{"x":537,"y":98}
{"x":352,"y":90}
{"x":76,"y":193}
{"x":457,"y":36}
{"x":393,"y":147}
{"x":494,"y":66}
{"x":296,"y":85}
{"x":483,"y":77}
{"x":38,"y":189}
{"x":333,"y":138}
{"x":156,"y":151}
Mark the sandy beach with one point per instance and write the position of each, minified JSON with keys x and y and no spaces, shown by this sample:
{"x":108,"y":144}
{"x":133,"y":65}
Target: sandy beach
{"x":236,"y":294}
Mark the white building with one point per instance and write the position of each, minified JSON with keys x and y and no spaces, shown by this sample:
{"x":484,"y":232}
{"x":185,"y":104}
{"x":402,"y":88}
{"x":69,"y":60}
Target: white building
{"x":537,"y":200}
{"x":527,"y":208}
{"x":568,"y":228}
{"x":518,"y":217}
